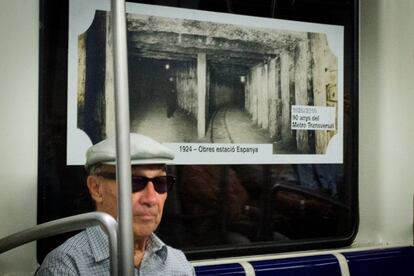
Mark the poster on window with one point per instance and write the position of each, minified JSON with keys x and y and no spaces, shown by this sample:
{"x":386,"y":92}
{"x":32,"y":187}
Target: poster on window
{"x":216,"y":88}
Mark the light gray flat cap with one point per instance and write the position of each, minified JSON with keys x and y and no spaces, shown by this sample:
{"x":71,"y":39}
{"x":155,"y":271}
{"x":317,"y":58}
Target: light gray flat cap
{"x":144,"y":150}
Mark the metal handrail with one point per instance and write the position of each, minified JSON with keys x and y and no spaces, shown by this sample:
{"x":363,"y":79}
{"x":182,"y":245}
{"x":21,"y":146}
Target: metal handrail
{"x":68,"y":224}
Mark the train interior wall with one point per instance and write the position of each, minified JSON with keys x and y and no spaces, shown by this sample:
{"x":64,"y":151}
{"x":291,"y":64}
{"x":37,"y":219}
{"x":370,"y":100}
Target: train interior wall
{"x":386,"y":130}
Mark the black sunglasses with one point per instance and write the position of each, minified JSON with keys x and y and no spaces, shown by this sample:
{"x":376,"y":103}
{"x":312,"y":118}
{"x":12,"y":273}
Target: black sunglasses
{"x":162,"y":184}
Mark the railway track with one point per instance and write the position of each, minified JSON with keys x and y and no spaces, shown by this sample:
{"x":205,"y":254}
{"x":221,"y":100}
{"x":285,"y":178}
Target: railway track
{"x":219,"y":130}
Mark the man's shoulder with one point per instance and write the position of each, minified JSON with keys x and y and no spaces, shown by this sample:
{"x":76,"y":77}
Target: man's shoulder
{"x":65,"y":258}
{"x":176,"y":253}
{"x":177,"y":258}
{"x":73,"y":245}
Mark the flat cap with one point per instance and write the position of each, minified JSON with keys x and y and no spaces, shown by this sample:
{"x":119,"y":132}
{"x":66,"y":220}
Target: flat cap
{"x":144,"y":150}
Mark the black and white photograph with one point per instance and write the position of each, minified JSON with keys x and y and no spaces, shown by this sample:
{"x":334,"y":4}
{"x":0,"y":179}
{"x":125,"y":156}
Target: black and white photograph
{"x":233,"y":89}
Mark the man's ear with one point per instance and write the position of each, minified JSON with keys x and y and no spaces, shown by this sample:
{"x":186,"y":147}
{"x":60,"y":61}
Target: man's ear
{"x":94,"y":188}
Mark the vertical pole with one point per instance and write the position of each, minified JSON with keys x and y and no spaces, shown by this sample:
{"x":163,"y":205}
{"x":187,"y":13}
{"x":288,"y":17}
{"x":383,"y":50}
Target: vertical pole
{"x":201,"y":95}
{"x":123,"y":168}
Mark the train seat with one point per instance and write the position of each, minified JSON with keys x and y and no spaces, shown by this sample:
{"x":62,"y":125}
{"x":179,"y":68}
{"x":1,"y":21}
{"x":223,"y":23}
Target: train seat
{"x":385,"y":261}
{"x":233,"y":269}
{"x":319,"y":265}
{"x":395,"y":261}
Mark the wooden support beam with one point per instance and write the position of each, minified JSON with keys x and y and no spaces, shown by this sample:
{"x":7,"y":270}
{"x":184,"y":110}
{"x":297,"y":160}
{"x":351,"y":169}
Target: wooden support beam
{"x":201,"y":94}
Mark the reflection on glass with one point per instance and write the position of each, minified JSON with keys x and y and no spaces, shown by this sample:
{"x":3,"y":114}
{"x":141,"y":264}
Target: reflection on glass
{"x":215,"y":206}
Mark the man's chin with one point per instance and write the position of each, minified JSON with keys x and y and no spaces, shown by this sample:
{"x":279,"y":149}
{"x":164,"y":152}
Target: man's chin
{"x":143,"y":230}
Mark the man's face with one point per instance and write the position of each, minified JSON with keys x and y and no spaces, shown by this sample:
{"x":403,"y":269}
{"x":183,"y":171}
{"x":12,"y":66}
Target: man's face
{"x":147,"y":204}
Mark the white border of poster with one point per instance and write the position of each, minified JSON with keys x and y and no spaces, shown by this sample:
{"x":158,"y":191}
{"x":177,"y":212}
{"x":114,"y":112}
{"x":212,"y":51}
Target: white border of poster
{"x":81,"y":14}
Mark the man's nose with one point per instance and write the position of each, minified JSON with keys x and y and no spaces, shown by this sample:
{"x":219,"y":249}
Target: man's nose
{"x":149,"y":194}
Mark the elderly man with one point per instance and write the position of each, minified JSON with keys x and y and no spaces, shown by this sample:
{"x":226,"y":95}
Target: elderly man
{"x":87,"y":253}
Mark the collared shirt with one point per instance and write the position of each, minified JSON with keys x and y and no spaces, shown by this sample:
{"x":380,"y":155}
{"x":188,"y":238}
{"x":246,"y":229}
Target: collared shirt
{"x":87,"y":253}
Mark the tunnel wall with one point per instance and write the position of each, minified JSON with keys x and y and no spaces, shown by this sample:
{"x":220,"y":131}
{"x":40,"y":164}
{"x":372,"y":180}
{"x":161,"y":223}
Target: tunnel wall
{"x":303,"y":75}
{"x":223,"y":94}
{"x":226,"y":89}
{"x":186,"y":80}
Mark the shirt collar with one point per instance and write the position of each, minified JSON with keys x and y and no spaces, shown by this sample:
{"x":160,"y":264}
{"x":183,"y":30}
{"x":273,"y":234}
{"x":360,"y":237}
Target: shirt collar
{"x":98,"y":242}
{"x":157,"y":247}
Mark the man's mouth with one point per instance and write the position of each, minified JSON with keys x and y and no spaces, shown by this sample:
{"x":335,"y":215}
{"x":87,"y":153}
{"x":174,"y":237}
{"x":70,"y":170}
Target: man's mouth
{"x":145,"y":216}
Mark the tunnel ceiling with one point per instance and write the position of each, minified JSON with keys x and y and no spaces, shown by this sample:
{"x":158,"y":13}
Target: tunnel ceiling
{"x":224,"y":44}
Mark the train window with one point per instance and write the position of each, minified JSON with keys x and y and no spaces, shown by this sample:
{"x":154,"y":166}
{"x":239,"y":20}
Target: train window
{"x":217,"y":208}
{"x":239,"y":207}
